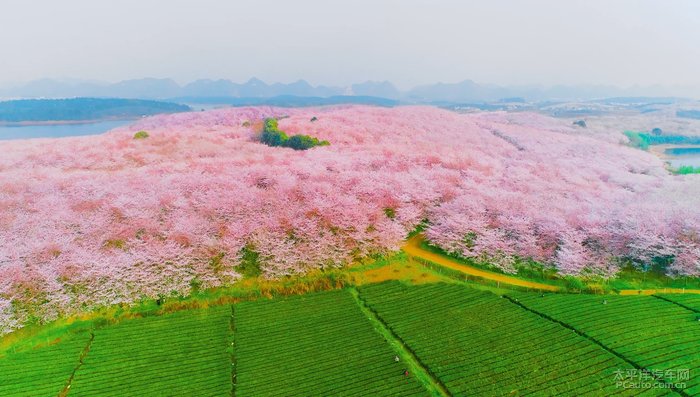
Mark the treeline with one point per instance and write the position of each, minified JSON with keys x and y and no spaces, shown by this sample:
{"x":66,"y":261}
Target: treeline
{"x":687,"y":169}
{"x":643,"y":140}
{"x":272,"y":136}
{"x":77,"y":109}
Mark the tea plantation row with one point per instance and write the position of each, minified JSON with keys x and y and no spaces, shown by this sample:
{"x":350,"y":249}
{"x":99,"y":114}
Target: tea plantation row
{"x":462,"y":341}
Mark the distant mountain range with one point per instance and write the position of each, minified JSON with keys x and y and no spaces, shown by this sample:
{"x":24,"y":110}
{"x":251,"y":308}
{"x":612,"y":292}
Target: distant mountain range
{"x":466,"y":91}
{"x":289,"y":100}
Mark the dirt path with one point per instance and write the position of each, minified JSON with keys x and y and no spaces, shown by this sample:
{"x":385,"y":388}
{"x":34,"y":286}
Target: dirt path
{"x":413,"y":248}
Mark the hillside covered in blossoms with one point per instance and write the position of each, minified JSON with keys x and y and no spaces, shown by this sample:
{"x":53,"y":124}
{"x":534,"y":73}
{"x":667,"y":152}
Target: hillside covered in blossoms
{"x":90,"y":221}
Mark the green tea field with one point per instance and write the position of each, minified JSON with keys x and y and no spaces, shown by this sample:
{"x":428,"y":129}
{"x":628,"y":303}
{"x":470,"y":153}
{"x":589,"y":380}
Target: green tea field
{"x":649,"y":332}
{"x":187,"y":350}
{"x":381,"y":339}
{"x":320,"y":344}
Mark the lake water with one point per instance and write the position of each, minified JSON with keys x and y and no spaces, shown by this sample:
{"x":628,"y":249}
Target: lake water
{"x":59,"y":130}
{"x":679,"y":156}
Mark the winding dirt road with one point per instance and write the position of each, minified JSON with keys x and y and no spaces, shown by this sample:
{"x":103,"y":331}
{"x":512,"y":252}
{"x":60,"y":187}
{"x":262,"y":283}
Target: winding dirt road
{"x":413,"y":248}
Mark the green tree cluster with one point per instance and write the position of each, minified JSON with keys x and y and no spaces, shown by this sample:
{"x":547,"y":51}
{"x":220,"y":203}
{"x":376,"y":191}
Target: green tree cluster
{"x":272,"y":136}
{"x":643,"y":140}
{"x":141,"y":135}
{"x":688,"y":169}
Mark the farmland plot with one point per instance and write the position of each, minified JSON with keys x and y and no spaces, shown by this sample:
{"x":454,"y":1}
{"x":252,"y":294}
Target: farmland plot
{"x":180,"y":354}
{"x":655,"y":334}
{"x":691,"y":301}
{"x":477,"y":343}
{"x":314,"y":345}
{"x":43,"y":371}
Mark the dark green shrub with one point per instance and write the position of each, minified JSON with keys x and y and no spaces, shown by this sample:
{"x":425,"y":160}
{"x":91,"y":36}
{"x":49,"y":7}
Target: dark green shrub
{"x":272,"y":136}
{"x":302,"y":142}
{"x":249,"y":266}
{"x":470,"y":239}
{"x":390,"y":212}
{"x":195,"y":285}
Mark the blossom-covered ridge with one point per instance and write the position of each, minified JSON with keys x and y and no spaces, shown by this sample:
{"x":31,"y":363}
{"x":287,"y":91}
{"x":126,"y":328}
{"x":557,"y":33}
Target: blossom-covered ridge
{"x":99,"y":220}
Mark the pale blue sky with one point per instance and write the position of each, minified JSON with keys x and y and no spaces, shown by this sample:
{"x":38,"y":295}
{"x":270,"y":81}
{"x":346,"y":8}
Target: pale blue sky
{"x":409,"y":42}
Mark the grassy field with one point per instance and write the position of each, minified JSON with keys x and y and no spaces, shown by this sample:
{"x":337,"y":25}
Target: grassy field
{"x":320,"y":345}
{"x":43,"y":370}
{"x":180,"y":354}
{"x":691,"y":302}
{"x":655,"y":334}
{"x":485,"y":345}
{"x":454,"y":338}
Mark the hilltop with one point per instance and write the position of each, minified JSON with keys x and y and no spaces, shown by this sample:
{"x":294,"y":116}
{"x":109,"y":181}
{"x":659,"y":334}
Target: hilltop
{"x":198,"y":202}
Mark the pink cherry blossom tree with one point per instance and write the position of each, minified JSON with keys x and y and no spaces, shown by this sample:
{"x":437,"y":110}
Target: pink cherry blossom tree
{"x":90,"y":221}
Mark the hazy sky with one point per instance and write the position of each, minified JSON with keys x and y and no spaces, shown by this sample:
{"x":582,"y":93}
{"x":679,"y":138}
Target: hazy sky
{"x":409,"y":42}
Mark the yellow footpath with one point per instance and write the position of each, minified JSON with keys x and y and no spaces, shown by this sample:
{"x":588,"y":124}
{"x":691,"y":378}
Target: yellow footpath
{"x":413,"y":248}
